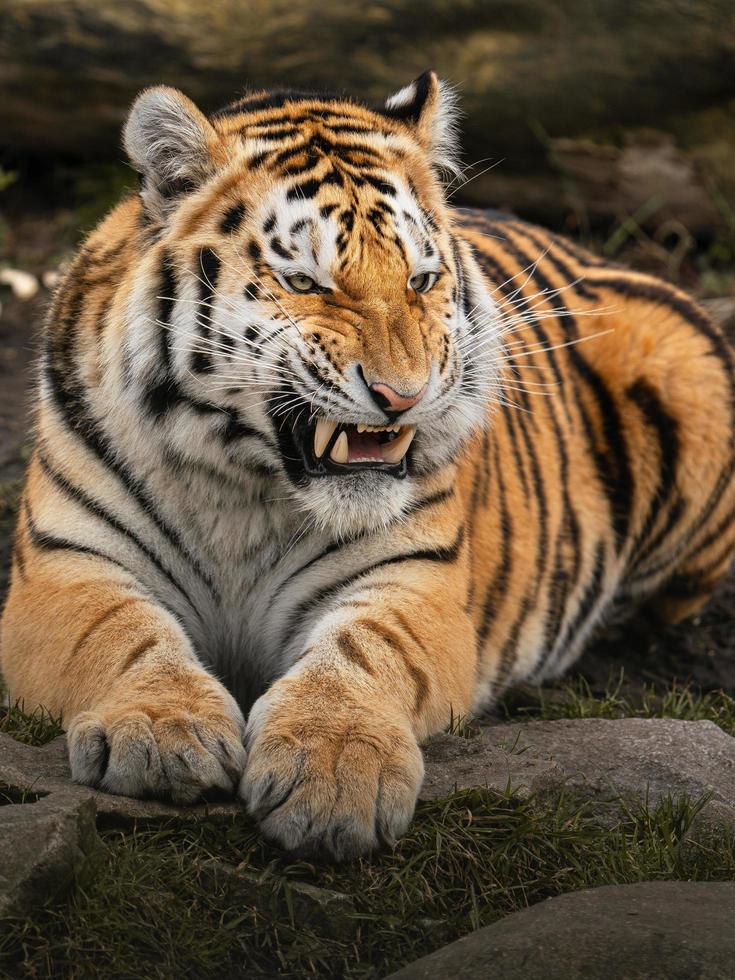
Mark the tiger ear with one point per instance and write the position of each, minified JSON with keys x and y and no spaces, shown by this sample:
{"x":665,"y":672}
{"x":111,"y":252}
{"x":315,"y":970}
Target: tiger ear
{"x":171,"y":143}
{"x":429,"y":107}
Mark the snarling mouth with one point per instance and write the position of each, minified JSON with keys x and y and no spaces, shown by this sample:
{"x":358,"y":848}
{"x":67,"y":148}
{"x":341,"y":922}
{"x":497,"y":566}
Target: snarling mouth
{"x":338,"y":448}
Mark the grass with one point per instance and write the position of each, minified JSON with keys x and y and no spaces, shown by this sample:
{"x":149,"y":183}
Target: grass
{"x":575,"y":699}
{"x":468,"y":860}
{"x":462,"y":726}
{"x":165,"y":901}
{"x":34,"y":728}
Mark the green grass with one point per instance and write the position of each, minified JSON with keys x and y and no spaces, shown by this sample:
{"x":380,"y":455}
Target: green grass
{"x":151,"y":912}
{"x":34,"y":728}
{"x":462,"y":726}
{"x":575,"y":699}
{"x":164,"y":901}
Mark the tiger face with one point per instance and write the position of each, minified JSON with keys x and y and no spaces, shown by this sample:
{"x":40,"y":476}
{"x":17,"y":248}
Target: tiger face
{"x":329,"y":302}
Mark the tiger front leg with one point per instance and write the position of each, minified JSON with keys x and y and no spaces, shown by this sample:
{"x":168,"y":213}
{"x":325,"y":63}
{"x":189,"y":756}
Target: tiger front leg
{"x":143,"y":716}
{"x":334,"y":764}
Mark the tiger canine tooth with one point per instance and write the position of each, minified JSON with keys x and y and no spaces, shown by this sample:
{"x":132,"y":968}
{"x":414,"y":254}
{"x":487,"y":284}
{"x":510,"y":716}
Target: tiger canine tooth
{"x":393,"y":452}
{"x":322,"y":435}
{"x":341,"y":449}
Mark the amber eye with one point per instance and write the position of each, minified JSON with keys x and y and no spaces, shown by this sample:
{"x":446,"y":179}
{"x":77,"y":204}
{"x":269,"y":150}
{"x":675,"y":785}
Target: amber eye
{"x":422,"y":282}
{"x":299,"y":282}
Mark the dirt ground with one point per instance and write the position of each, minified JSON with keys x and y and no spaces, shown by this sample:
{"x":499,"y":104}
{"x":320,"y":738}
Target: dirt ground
{"x":701,"y":651}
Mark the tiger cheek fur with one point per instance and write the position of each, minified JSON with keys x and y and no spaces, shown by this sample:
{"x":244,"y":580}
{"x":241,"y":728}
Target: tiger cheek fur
{"x":316,"y":449}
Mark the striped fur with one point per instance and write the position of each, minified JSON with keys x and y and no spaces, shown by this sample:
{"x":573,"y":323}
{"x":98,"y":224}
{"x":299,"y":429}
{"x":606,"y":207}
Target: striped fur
{"x":177,"y":564}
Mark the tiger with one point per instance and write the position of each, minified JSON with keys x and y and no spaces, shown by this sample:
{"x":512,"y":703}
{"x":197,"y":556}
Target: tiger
{"x":322,"y":462}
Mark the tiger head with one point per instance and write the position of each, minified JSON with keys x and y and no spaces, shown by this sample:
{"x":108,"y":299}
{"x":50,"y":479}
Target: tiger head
{"x":324,"y":294}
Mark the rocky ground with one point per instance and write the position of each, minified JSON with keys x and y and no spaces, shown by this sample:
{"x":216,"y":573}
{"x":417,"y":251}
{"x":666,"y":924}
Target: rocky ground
{"x":588,"y":830}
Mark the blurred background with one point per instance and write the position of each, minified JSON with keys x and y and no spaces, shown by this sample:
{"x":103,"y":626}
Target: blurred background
{"x":610,"y":120}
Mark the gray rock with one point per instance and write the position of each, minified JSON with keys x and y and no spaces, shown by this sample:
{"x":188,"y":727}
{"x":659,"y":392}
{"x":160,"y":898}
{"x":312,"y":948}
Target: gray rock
{"x":45,"y":845}
{"x":667,"y":930}
{"x":640,"y":757}
{"x":45,"y":769}
{"x":48,"y":823}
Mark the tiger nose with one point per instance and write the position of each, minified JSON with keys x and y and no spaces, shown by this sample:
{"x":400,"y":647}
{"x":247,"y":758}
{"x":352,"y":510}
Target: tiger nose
{"x":392,"y":401}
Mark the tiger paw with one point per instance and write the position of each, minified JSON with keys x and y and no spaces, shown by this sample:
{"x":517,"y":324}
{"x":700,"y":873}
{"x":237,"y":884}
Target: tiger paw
{"x":329,"y":776}
{"x":148,"y":749}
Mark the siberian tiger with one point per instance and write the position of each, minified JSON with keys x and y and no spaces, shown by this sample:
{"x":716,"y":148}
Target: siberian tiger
{"x":321,"y":460}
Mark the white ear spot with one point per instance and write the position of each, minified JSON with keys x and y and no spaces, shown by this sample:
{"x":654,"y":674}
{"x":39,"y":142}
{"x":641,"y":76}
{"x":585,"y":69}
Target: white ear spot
{"x":406,"y":96}
{"x":429,"y":107}
{"x":169,"y":141}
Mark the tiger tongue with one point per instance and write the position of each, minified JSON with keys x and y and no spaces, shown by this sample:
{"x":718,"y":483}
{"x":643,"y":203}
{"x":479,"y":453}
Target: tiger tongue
{"x":363,"y":447}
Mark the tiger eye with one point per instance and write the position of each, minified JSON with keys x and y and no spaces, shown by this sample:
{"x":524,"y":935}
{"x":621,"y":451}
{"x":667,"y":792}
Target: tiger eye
{"x":422,"y":282}
{"x":301,"y":283}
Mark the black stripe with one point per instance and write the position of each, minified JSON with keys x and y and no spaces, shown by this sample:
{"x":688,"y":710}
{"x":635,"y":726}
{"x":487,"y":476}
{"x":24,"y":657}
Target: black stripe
{"x":323,"y":103}
{"x":724,"y":524}
{"x":280,"y":157}
{"x":168,"y":287}
{"x":304,"y":191}
{"x":161,"y":394}
{"x":565,"y":575}
{"x":696,"y":582}
{"x":480,"y":482}
{"x":201,"y":361}
{"x":498,"y":588}
{"x":613,"y":464}
{"x":510,"y":426}
{"x":586,"y":605}
{"x":423,"y":503}
{"x":384,"y":186}
{"x":232,"y":219}
{"x":665,"y":428}
{"x":581,"y":288}
{"x":509,"y":652}
{"x":448,"y":554}
{"x":95,"y":508}
{"x":67,"y":392}
{"x":675,"y":514}
{"x":50,"y":542}
{"x":278,"y":248}
{"x":586,"y":259}
{"x":662,"y":293}
{"x":504,"y":284}
{"x":299,"y":169}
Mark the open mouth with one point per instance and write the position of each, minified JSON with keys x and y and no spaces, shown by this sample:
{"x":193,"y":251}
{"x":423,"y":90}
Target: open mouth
{"x":338,"y":448}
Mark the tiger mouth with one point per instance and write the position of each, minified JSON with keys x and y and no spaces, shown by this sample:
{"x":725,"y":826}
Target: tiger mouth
{"x":339,"y":448}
